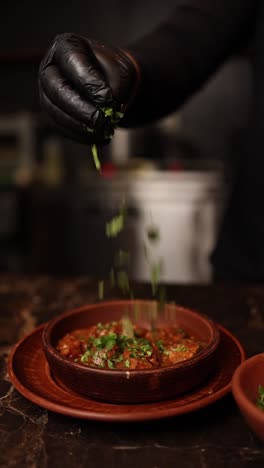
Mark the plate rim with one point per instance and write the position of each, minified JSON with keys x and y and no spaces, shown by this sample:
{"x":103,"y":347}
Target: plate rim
{"x":112,"y":416}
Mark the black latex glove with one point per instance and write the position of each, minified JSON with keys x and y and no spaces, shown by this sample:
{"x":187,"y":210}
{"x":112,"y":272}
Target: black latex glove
{"x":78,"y":78}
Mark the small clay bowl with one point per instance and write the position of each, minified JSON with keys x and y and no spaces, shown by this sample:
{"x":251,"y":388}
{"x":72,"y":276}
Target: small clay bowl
{"x":245,"y":384}
{"x":131,"y":386}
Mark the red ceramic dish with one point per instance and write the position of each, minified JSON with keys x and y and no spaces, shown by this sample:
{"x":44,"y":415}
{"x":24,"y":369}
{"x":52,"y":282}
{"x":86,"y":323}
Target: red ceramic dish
{"x":29,"y":372}
{"x":131,"y":386}
{"x":245,"y":383}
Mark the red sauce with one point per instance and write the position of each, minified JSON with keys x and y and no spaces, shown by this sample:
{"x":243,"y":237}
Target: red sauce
{"x":106,"y":346}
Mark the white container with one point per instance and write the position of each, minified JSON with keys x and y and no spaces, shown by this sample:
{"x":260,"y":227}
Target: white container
{"x":186,"y":207}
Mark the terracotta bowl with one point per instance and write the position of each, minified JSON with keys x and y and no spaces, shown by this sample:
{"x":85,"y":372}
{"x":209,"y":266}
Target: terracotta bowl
{"x":131,"y":386}
{"x":245,"y":383}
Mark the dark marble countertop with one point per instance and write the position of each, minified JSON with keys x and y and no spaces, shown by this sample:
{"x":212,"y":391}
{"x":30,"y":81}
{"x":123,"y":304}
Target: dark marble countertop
{"x":216,"y":436}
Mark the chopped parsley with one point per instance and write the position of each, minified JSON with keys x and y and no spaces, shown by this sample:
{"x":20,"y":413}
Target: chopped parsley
{"x":180,"y":348}
{"x":95,"y":157}
{"x":101,"y":290}
{"x":127,"y":327}
{"x":123,"y":281}
{"x":85,"y":356}
{"x":160,"y":346}
{"x":155,"y":276}
{"x":260,"y":398}
{"x":153,"y":234}
{"x":122,"y":344}
{"x":114,"y":117}
{"x":116,"y":224}
{"x":140,"y":348}
{"x":99,"y":358}
{"x":110,"y":364}
{"x":107,"y":350}
{"x":105,"y":341}
{"x":122,"y":258}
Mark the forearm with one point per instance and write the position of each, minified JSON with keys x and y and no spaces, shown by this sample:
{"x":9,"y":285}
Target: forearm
{"x":178,"y":57}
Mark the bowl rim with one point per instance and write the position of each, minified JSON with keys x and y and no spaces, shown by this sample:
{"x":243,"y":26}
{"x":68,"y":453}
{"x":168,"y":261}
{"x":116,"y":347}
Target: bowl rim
{"x":244,"y":403}
{"x":188,"y":363}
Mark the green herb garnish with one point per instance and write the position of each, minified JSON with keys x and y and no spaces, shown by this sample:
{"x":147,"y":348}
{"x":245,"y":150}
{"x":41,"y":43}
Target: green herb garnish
{"x":140,"y":348}
{"x":119,"y":358}
{"x":85,"y":356}
{"x":155,"y":276}
{"x":98,"y":347}
{"x":95,"y":157}
{"x":99,"y":358}
{"x":101,"y":290}
{"x":153,"y":234}
{"x":116,"y":224}
{"x":180,"y":348}
{"x":110,"y":364}
{"x":105,"y":341}
{"x":122,"y":258}
{"x":123,"y":281}
{"x":110,"y":341}
{"x":160,"y":346}
{"x":260,"y":398}
{"x":127,"y":327}
{"x":114,"y":117}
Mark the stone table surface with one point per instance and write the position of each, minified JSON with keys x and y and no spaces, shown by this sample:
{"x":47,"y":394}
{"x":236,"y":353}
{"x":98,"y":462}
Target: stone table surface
{"x":216,"y":436}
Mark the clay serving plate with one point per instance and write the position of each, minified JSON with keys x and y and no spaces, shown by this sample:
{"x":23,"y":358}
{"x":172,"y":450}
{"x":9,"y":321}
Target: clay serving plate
{"x":245,"y":384}
{"x":131,"y":386}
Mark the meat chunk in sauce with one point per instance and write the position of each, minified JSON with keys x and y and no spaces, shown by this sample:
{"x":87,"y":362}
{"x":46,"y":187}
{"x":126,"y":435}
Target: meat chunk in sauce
{"x":107,"y":346}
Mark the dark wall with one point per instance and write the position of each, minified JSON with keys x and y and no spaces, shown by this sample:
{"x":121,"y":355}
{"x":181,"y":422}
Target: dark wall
{"x":31,"y":25}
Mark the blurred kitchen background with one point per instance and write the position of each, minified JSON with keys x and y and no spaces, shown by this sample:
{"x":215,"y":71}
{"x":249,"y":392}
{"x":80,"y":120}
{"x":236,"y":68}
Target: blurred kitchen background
{"x":53,"y":205}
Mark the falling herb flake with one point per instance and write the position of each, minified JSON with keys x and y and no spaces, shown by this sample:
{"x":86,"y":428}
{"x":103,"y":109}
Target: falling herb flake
{"x":110,"y":364}
{"x":162,"y":297}
{"x":153,"y":234}
{"x":155,"y":276}
{"x":116,"y":224}
{"x":123,"y":281}
{"x":113,"y":115}
{"x":260,"y":398}
{"x":180,"y":348}
{"x":101,"y":290}
{"x":85,"y":356}
{"x":160,"y":346}
{"x":127,"y":327}
{"x":95,"y":157}
{"x":122,"y":258}
{"x":112,"y":277}
{"x":137,"y":311}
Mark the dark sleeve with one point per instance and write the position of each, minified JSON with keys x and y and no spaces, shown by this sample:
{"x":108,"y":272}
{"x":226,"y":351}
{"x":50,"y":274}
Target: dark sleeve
{"x":181,"y":54}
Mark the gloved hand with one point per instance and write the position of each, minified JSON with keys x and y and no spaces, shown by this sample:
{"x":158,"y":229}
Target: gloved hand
{"x":84,"y":84}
